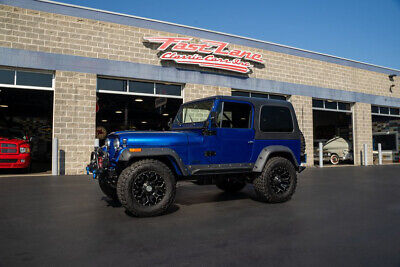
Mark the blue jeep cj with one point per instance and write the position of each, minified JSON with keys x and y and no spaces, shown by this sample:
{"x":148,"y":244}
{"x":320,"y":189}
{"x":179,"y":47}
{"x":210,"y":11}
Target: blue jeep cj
{"x":226,"y":140}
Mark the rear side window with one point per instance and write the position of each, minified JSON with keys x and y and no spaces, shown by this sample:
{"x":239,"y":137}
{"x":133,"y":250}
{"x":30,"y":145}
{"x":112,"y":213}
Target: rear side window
{"x":275,"y":119}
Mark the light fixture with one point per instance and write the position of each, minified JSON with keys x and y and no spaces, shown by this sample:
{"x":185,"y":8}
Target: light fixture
{"x":3,"y":106}
{"x":391,"y":76}
{"x":103,"y":120}
{"x":138,"y":100}
{"x":165,"y":114}
{"x":144,"y":122}
{"x":118,"y":111}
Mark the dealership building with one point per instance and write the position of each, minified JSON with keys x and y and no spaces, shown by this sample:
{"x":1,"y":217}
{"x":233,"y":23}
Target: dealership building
{"x":77,"y":74}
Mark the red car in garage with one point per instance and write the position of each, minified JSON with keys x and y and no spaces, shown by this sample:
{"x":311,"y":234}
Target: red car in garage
{"x":15,"y":150}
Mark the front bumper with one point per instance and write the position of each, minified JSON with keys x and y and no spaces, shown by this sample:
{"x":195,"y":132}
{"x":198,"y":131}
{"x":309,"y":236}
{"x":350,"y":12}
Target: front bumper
{"x":17,"y":161}
{"x":99,"y":163}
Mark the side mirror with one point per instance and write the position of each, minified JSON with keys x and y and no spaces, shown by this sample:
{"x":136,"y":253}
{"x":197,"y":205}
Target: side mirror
{"x":213,"y":118}
{"x":170,"y":123}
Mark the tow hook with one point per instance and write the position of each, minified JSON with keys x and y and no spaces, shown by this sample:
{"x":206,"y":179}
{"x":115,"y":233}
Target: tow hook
{"x":94,"y":172}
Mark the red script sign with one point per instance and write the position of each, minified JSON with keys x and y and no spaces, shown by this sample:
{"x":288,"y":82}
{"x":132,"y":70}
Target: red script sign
{"x":206,"y":53}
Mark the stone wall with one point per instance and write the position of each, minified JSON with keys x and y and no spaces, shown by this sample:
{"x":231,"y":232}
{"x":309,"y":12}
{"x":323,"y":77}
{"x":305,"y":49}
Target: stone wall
{"x":362,"y":123}
{"x":303,"y":107}
{"x":74,"y":119}
{"x":47,"y":32}
{"x":197,"y":91}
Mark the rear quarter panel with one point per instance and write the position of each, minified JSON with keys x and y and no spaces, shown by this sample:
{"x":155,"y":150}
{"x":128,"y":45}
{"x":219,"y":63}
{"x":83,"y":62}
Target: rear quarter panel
{"x":292,"y":144}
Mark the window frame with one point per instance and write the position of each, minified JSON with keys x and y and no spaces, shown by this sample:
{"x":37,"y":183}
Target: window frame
{"x":389,"y":114}
{"x":268,"y":95}
{"x":32,"y":87}
{"x":324,"y":108}
{"x":126,"y":92}
{"x":222,"y":101}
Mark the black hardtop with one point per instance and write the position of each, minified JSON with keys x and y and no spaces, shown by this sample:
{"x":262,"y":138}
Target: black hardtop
{"x":258,"y":103}
{"x":254,"y":100}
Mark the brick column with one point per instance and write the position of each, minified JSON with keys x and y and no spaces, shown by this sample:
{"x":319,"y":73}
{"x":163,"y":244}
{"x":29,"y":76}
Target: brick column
{"x":197,"y":91}
{"x":74,"y":119}
{"x":303,"y":107}
{"x":362,"y":124}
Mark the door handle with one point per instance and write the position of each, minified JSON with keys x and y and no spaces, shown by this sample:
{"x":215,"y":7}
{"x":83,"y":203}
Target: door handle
{"x":210,"y":153}
{"x":251,"y":142}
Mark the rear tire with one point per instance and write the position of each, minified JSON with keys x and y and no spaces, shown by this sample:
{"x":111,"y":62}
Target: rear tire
{"x":334,"y":159}
{"x":277,"y":182}
{"x":108,"y":189}
{"x":147,"y":188}
{"x":230,"y":184}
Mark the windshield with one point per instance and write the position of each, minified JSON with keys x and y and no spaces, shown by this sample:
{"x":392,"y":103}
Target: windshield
{"x":12,"y":133}
{"x":194,"y":112}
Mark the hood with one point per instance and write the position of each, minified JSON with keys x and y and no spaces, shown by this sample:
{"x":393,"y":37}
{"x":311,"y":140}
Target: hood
{"x":12,"y":141}
{"x":337,"y":142}
{"x":153,"y":138}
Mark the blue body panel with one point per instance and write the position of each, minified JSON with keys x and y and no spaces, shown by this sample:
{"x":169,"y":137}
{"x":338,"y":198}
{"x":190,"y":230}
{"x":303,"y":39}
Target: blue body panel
{"x":234,"y":145}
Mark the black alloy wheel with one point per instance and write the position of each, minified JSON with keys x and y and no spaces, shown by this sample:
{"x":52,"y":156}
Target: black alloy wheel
{"x":280,"y":179}
{"x":148,"y":188}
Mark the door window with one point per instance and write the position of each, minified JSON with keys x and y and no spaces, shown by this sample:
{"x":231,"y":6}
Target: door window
{"x":234,"y":115}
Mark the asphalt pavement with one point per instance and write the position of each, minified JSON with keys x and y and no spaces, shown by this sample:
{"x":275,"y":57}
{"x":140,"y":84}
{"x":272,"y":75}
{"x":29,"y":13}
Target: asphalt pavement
{"x":346,"y":216}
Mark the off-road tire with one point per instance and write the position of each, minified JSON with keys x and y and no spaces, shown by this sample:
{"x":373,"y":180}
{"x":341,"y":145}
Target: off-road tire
{"x":125,"y":184}
{"x":334,"y":159}
{"x":230,"y":184}
{"x":263,"y":184}
{"x":108,"y":189}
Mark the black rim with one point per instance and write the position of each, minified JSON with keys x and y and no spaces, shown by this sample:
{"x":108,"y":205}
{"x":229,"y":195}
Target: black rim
{"x":148,"y":188}
{"x":280,"y":180}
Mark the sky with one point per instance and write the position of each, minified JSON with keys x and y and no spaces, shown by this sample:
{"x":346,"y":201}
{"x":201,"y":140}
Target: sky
{"x":363,"y":30}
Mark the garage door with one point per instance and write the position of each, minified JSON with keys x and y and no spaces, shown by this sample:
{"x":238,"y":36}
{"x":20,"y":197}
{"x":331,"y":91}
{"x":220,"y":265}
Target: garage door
{"x":26,"y":118}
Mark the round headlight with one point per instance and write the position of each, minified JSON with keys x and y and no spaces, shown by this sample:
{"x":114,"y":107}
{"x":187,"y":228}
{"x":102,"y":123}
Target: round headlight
{"x":108,"y":142}
{"x":116,"y":143}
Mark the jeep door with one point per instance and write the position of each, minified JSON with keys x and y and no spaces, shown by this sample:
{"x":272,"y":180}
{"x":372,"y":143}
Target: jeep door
{"x":234,"y":132}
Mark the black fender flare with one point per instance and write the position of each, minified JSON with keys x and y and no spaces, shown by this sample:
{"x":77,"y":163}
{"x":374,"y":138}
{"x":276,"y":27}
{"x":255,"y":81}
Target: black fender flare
{"x":267,"y":152}
{"x":126,"y":156}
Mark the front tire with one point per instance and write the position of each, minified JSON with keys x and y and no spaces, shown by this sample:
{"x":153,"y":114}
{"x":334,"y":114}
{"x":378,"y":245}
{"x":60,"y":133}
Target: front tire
{"x":147,"y":188}
{"x":230,"y":184}
{"x":277,"y":182}
{"x":108,"y":189}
